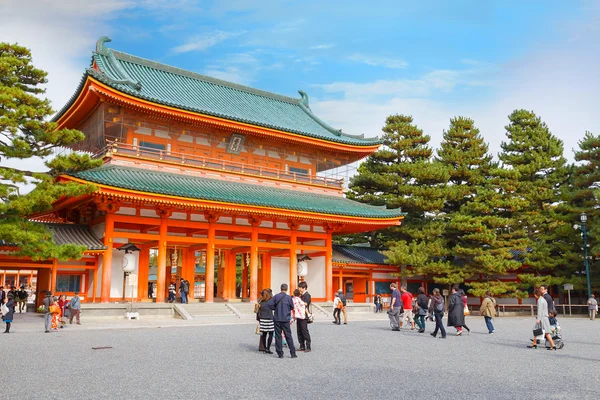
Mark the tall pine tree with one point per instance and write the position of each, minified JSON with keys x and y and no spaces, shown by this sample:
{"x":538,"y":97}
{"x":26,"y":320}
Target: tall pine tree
{"x":25,"y":132}
{"x":403,"y":175}
{"x":536,"y":155}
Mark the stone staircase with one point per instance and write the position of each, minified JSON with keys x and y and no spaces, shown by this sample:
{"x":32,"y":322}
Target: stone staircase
{"x":203,"y":310}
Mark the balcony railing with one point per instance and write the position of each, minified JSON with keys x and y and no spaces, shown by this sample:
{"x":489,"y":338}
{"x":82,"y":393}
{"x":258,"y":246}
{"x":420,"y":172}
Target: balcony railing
{"x":173,"y":157}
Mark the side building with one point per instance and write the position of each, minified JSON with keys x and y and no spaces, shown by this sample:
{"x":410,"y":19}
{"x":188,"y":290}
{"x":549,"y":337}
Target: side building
{"x":220,"y":184}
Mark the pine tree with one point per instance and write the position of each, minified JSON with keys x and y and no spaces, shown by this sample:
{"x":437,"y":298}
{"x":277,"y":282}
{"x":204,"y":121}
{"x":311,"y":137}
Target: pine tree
{"x":579,"y":195}
{"x":537,"y":157}
{"x":403,"y":175}
{"x":25,"y":132}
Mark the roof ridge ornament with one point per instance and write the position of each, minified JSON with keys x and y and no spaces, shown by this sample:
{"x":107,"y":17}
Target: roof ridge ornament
{"x":304,"y":100}
{"x":123,"y":77}
{"x":100,"y":48}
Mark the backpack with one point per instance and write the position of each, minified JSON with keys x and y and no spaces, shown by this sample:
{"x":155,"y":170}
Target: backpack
{"x":343,"y":299}
{"x":23,"y":295}
{"x":439,"y":307}
{"x":340,"y":304}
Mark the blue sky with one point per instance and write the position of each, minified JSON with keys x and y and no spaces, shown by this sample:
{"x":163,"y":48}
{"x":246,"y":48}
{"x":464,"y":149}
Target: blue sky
{"x":358,"y":61}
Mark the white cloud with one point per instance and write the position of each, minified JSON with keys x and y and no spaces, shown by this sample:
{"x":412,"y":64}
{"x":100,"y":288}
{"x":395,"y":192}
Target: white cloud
{"x":427,"y":85}
{"x":378,"y":61}
{"x":324,"y":46}
{"x":203,"y":42}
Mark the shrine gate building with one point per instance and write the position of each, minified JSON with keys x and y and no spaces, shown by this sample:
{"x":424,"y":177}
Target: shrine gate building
{"x":204,"y":177}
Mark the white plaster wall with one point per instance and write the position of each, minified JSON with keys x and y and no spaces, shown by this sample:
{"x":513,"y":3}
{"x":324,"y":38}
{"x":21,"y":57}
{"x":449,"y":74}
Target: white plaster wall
{"x":280,"y":272}
{"x":117,"y":275}
{"x":315,"y":279}
{"x":315,"y":243}
{"x":98,"y":230}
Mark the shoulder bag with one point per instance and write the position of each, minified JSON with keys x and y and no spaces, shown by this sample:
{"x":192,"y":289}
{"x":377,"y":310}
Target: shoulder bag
{"x":537,"y":329}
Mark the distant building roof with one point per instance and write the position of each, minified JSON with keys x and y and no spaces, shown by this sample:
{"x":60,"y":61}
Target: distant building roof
{"x":357,"y":254}
{"x":186,"y":90}
{"x":71,"y":234}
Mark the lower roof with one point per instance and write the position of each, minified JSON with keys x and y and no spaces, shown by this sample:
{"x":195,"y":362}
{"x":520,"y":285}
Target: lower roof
{"x":79,"y":235}
{"x":235,"y":193}
{"x":358,"y":255}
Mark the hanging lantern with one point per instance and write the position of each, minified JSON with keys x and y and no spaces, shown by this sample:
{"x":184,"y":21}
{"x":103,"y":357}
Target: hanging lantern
{"x":174,"y":258}
{"x":302,"y":268}
{"x":128,"y":263}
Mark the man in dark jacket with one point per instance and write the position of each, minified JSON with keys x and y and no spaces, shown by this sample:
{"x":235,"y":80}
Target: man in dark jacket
{"x":283,"y":305}
{"x":456,"y":311}
{"x":437,"y":308}
{"x":548,"y":298}
{"x":302,"y":324}
{"x":183,"y":290}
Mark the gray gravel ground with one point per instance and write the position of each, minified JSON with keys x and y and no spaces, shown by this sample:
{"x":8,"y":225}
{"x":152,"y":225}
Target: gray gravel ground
{"x":357,"y":361}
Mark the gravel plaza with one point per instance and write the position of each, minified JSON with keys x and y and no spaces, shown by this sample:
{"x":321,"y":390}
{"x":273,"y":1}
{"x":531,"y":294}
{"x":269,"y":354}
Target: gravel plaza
{"x":363,"y":359}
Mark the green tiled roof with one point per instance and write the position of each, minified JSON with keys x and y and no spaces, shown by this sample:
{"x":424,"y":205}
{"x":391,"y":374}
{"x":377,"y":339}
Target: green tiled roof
{"x":199,"y":188}
{"x":186,"y":90}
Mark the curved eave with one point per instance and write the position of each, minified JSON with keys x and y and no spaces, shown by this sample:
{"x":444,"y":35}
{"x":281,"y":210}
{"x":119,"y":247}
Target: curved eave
{"x":90,"y":91}
{"x":211,"y":205}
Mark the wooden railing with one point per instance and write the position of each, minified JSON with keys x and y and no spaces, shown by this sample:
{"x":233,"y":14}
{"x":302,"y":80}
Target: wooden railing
{"x":128,"y":150}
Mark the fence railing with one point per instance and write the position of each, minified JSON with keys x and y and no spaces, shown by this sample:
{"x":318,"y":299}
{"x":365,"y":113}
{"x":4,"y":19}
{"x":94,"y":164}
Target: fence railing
{"x":129,"y":150}
{"x":563,"y":309}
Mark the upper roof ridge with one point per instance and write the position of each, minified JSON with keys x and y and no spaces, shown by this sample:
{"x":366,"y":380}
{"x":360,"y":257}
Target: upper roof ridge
{"x":194,"y":75}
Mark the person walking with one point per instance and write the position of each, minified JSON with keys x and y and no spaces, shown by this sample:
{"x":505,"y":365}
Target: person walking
{"x":437,"y":309}
{"x":184,"y":289}
{"x":466,"y":312}
{"x":302,"y":325}
{"x":592,"y":307}
{"x":265,"y":322}
{"x":456,"y":311}
{"x":10,"y":307}
{"x":407,"y":305}
{"x":422,"y":306}
{"x":22,"y":296}
{"x":337,"y":308}
{"x":298,"y":313}
{"x":344,"y":300}
{"x":47,"y":303}
{"x":283,"y":305}
{"x":2,"y":295}
{"x":547,"y":297}
{"x":395,"y":308}
{"x":75,"y":309}
{"x":543,"y":320}
{"x":62,"y":302}
{"x":488,"y":311}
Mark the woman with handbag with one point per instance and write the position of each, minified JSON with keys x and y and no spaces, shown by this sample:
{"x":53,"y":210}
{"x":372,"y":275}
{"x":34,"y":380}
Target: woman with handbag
{"x":542,"y":323}
{"x":421,"y":309}
{"x":9,"y":307}
{"x":265,"y":321}
{"x":55,"y":311}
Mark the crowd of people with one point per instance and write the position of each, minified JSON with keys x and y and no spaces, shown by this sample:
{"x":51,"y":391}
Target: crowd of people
{"x":404,"y":307}
{"x":9,"y":301}
{"x":277,"y":313}
{"x":57,"y":310}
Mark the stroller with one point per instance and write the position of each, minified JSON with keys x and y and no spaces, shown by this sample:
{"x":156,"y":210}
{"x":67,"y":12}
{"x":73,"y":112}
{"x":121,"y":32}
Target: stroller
{"x":555,"y":332}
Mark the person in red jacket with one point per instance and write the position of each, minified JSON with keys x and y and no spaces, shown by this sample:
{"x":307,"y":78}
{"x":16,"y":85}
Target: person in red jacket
{"x":407,"y":304}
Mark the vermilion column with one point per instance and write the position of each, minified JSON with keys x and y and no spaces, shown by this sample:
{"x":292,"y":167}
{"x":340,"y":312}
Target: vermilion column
{"x":329,"y":267}
{"x":143,"y":270}
{"x":109,"y":226}
{"x":53,"y":275}
{"x":293,"y":260}
{"x":254,"y":261}
{"x":162,"y":257}
{"x":210,"y":259}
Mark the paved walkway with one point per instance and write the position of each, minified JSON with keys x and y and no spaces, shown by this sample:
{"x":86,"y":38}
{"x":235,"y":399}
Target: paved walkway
{"x":361,"y":360}
{"x":34,"y":322}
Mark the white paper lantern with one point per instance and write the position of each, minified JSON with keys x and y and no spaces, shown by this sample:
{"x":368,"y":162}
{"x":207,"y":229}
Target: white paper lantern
{"x":128,"y":263}
{"x":302,"y":268}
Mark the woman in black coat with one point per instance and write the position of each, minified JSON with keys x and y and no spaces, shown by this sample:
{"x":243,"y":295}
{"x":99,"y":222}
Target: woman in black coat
{"x":8,"y":317}
{"x":456,"y":311}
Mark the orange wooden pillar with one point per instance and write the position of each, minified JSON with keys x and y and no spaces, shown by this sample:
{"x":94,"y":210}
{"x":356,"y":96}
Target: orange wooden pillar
{"x":266,"y":271}
{"x":95,"y":285}
{"x":210,"y":259}
{"x":53,"y":276}
{"x":143,"y":271}
{"x":254,"y":261}
{"x":293,"y":259}
{"x":109,"y":226}
{"x":188,"y":269}
{"x":229,"y":278}
{"x":162,"y":258}
{"x":245,"y":276}
{"x":329,"y":267}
